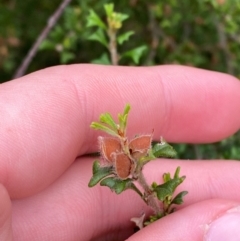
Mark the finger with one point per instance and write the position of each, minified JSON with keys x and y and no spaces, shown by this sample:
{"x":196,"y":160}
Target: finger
{"x":98,"y":214}
{"x":5,"y":215}
{"x":45,"y":116}
{"x":196,"y":222}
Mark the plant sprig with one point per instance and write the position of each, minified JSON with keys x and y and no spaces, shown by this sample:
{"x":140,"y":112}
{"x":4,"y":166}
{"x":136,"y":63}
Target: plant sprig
{"x":122,"y":162}
{"x":108,"y":35}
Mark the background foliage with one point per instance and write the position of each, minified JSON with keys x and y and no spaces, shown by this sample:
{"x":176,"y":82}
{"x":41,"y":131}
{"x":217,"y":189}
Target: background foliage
{"x":200,"y":33}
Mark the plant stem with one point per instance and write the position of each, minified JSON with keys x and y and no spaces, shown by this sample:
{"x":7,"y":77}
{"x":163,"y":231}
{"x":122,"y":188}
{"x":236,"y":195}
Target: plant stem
{"x":32,"y":52}
{"x":113,"y":46}
{"x":149,"y":195}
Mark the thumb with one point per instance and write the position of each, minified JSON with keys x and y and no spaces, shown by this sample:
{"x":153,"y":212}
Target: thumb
{"x":225,"y":227}
{"x":5,"y":215}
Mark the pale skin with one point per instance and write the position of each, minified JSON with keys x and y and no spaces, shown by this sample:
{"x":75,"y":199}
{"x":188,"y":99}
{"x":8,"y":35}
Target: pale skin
{"x":45,"y":118}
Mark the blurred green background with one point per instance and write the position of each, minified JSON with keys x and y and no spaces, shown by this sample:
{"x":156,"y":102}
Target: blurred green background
{"x":200,"y":33}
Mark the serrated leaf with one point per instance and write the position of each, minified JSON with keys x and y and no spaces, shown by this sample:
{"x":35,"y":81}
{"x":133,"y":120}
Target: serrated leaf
{"x":99,"y":173}
{"x":100,"y":37}
{"x":116,"y":185}
{"x":167,"y":189}
{"x":179,"y":198}
{"x":107,"y":119}
{"x":93,"y":20}
{"x":163,"y":149}
{"x":103,"y":59}
{"x":124,"y":37}
{"x":135,"y":54}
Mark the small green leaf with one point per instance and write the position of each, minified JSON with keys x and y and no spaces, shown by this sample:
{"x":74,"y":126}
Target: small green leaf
{"x":179,"y":198}
{"x":163,"y":149}
{"x":99,"y":173}
{"x":93,"y":20}
{"x":103,"y":59}
{"x":107,"y":119}
{"x":176,"y":174}
{"x":100,"y":37}
{"x":109,"y":9}
{"x":116,"y":185}
{"x":135,"y":54}
{"x":167,"y":189}
{"x":127,"y":108}
{"x":122,"y":16}
{"x":124,"y":37}
{"x":123,"y":118}
{"x":99,"y":126}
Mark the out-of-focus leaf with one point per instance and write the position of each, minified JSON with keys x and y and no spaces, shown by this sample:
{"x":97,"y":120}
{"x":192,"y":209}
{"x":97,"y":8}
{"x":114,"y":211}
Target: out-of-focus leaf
{"x":109,"y":8}
{"x":99,"y":36}
{"x":93,"y":20}
{"x":47,"y":44}
{"x":124,"y":37}
{"x":66,"y":57}
{"x":135,"y":54}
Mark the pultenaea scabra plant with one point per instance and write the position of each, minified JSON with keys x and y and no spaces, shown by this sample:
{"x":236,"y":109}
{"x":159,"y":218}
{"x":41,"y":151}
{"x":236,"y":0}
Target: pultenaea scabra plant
{"x":122,"y":162}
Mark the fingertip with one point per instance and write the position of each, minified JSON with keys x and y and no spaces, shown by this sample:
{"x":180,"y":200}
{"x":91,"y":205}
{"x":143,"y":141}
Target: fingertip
{"x":5,"y":215}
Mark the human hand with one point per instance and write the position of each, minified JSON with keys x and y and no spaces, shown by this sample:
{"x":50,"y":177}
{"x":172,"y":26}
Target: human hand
{"x":45,"y":118}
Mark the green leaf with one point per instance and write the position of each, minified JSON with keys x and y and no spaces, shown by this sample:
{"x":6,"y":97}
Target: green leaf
{"x":126,"y":110}
{"x":116,"y":185}
{"x":176,"y":174}
{"x":122,"y":16}
{"x":100,"y":37}
{"x":123,"y":118}
{"x":107,"y":119}
{"x":99,"y":126}
{"x":167,"y":189}
{"x":109,"y":9}
{"x":124,"y":37}
{"x":93,"y":20}
{"x":166,"y":177}
{"x":163,"y":149}
{"x":135,"y":54}
{"x":99,"y":173}
{"x":104,"y":59}
{"x":179,"y":198}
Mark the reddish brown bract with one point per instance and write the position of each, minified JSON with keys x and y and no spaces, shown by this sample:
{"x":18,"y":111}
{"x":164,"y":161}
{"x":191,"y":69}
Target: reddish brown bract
{"x":109,"y":145}
{"x":123,"y":165}
{"x":140,"y":145}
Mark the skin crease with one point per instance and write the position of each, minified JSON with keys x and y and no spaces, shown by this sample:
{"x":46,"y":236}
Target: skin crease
{"x":45,"y":132}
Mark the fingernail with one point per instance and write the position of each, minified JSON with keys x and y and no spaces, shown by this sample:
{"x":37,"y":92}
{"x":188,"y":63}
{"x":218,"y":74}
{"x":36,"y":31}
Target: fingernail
{"x":226,"y":227}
